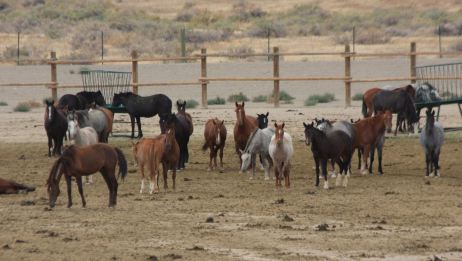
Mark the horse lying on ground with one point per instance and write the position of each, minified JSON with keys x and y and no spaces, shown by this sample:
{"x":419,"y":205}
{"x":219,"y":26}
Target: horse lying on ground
{"x":77,"y":162}
{"x":258,"y":143}
{"x":215,"y":139}
{"x":11,"y":187}
{"x":55,"y":126}
{"x":281,"y":151}
{"x":336,"y":145}
{"x":151,"y":152}
{"x":432,"y":138}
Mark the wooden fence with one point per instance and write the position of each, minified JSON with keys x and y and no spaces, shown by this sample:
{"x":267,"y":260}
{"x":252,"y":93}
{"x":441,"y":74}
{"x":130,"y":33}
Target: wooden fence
{"x":204,"y":80}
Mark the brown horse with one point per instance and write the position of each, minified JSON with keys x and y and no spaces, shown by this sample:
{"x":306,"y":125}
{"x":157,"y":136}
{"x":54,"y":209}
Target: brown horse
{"x":370,"y":133}
{"x":77,"y":162}
{"x":215,"y":139}
{"x":181,"y":107}
{"x":368,"y":97}
{"x":154,"y":151}
{"x":11,"y":187}
{"x":244,"y":126}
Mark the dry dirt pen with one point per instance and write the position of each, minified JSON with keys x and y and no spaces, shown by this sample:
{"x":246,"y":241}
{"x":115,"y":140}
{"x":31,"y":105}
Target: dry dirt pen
{"x":400,"y":215}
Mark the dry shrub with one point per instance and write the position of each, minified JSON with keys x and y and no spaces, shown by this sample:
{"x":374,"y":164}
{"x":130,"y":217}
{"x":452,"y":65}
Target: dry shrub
{"x":371,"y":36}
{"x":457,"y":47}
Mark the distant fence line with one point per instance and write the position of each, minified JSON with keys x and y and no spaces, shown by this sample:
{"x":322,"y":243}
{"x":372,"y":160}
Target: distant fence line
{"x":204,"y":80}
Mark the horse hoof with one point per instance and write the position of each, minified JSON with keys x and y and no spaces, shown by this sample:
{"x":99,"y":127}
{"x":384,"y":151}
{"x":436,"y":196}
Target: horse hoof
{"x":431,"y":175}
{"x":222,"y":170}
{"x":333,"y":175}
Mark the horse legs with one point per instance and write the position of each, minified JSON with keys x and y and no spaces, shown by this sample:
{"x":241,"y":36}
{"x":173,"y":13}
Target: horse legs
{"x":332,"y":168}
{"x":50,"y":145}
{"x":364,"y":161}
{"x":316,"y":161}
{"x":324,"y":173}
{"x":397,"y":123}
{"x":69,"y":190}
{"x":286,"y":176}
{"x":142,"y":177}
{"x":164,"y":174}
{"x":132,"y":122}
{"x":211,"y":154}
{"x":221,"y":158}
{"x":173,"y":176}
{"x":436,"y":161}
{"x":428,"y":162}
{"x":371,"y":156}
{"x":79,"y":186}
{"x":138,"y":122}
{"x":379,"y":153}
{"x":236,"y":146}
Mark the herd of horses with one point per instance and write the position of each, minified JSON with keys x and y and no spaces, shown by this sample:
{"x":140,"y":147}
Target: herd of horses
{"x":84,"y":119}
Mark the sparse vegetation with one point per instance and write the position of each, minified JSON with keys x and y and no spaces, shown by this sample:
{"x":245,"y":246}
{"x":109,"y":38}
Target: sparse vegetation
{"x":286,"y":97}
{"x":217,"y":101}
{"x":2,"y":103}
{"x":22,"y":107}
{"x":191,"y":104}
{"x":310,"y":102}
{"x":315,"y":99}
{"x":260,"y":98}
{"x":358,"y":97}
{"x":240,"y":97}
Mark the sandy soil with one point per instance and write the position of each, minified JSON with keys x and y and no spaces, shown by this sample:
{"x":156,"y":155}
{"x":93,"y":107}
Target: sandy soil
{"x":398,"y":216}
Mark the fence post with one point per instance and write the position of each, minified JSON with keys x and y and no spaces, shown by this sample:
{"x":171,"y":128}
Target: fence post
{"x":347,"y":76}
{"x":204,"y":75}
{"x":276,"y":75}
{"x":135,"y":72}
{"x":54,"y":77}
{"x":413,"y":62}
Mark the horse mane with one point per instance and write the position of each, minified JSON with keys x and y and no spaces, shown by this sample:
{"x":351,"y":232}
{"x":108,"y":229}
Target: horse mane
{"x":250,"y":139}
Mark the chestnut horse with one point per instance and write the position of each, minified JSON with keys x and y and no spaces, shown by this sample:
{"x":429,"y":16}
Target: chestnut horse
{"x":368,"y":97}
{"x":280,"y":151}
{"x":11,"y":187}
{"x":244,"y":126}
{"x":370,"y":133}
{"x":154,"y":151}
{"x":215,"y":139}
{"x":77,"y":162}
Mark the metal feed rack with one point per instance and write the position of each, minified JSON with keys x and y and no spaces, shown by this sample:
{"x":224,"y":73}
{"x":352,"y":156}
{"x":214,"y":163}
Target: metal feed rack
{"x":447,"y":79}
{"x":108,"y":82}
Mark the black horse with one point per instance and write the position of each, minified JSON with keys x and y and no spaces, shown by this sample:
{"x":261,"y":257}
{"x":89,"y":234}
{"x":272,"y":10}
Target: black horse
{"x":81,"y":101}
{"x":55,"y":127}
{"x":336,"y":145}
{"x":138,"y":106}
{"x":182,"y":133}
{"x":397,"y":102}
{"x":262,"y":120}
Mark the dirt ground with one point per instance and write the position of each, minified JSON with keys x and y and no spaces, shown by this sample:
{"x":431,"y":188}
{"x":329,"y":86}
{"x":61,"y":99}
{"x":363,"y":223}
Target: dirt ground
{"x":398,"y":216}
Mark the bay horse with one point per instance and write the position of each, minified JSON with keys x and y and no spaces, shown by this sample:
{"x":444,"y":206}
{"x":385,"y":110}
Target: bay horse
{"x":181,"y":107}
{"x":244,"y":126}
{"x":336,"y":145}
{"x":432,"y":138}
{"x":11,"y":187}
{"x":215,"y":140}
{"x":262,"y":120}
{"x":368,"y":97}
{"x":151,"y":152}
{"x":182,"y":134}
{"x":81,"y":100}
{"x":138,"y":106}
{"x":370,"y":134}
{"x":77,"y":162}
{"x":281,"y":151}
{"x":55,"y":126}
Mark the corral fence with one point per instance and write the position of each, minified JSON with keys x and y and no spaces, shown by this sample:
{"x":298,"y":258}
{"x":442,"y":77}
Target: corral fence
{"x":204,"y":80}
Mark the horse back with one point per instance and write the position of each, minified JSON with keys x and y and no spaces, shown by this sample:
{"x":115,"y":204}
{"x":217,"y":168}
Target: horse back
{"x":149,"y":106}
{"x":90,"y":159}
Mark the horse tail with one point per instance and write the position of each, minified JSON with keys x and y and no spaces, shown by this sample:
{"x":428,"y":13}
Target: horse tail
{"x":122,"y":164}
{"x":364,"y":110}
{"x":205,"y":146}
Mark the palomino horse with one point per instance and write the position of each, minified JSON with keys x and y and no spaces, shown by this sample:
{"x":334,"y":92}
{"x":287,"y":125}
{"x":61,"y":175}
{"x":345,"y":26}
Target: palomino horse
{"x":56,"y":127}
{"x":11,"y":187}
{"x":370,"y":133}
{"x":81,"y":136}
{"x":77,"y":162}
{"x":280,"y":151}
{"x":215,"y":139}
{"x":154,"y":151}
{"x":258,"y":143}
{"x":368,"y":97}
{"x":242,"y":129}
{"x":432,"y":138}
{"x":336,"y":145}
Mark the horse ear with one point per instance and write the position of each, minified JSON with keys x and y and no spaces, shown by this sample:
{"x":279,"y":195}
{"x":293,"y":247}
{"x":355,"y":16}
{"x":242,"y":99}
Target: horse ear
{"x":236,"y":103}
{"x":305,"y":125}
{"x":275,"y":125}
{"x":267,"y":113}
{"x":184,"y":103}
{"x":222,"y":122}
{"x":433,"y":113}
{"x":243,"y":103}
{"x":283,"y":124}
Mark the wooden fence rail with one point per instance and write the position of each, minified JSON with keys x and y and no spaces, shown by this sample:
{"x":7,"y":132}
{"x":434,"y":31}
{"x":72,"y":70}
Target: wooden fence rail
{"x":203,"y":80}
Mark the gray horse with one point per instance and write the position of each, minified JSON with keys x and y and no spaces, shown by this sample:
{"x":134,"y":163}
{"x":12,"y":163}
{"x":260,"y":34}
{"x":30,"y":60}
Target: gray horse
{"x":258,"y":143}
{"x":96,"y":119}
{"x":432,"y":138}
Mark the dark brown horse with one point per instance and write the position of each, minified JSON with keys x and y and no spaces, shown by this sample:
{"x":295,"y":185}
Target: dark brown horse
{"x":77,"y":162}
{"x":181,"y":107}
{"x":55,"y":123}
{"x":368,"y":97}
{"x":215,"y":139}
{"x":244,"y":126}
{"x":370,"y":133}
{"x":154,"y":151}
{"x":11,"y":187}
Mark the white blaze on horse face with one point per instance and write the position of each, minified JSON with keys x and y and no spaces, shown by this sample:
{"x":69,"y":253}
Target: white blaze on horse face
{"x":218,"y":140}
{"x":49,"y":112}
{"x":245,"y":161}
{"x":72,"y":128}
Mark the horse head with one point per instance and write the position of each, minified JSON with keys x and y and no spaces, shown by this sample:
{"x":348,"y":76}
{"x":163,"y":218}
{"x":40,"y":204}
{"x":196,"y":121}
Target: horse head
{"x":167,"y":121}
{"x":53,"y":182}
{"x":72,"y":123}
{"x":217,"y":130}
{"x":98,"y":98}
{"x":240,"y":113}
{"x":121,"y":98}
{"x":49,"y":110}
{"x":279,"y":133}
{"x":262,"y":120}
{"x":309,"y":128}
{"x":430,"y":120}
{"x":181,"y":106}
{"x":169,"y":139}
{"x":386,"y":118}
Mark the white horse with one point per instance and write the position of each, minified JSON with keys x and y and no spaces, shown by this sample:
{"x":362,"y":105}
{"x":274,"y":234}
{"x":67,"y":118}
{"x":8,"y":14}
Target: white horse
{"x":81,"y":136}
{"x":258,"y":143}
{"x":281,"y":151}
